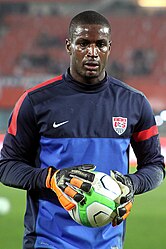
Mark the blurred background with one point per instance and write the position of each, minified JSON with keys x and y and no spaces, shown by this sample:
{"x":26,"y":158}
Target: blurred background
{"x":32,"y":50}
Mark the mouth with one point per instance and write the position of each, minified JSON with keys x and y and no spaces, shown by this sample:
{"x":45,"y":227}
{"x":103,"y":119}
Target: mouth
{"x":91,"y":65}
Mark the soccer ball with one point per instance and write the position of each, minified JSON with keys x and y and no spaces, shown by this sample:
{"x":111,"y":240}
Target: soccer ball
{"x":97,"y":208}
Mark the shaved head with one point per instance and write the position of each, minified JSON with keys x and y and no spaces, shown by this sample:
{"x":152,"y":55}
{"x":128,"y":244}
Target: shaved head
{"x":88,"y":17}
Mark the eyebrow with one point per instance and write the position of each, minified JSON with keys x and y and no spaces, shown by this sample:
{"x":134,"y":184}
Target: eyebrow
{"x":88,"y":40}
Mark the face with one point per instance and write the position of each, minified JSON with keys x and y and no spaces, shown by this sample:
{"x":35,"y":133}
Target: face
{"x":89,"y":49}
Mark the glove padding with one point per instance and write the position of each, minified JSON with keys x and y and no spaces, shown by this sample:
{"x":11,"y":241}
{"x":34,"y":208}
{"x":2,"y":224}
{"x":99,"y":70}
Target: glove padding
{"x":70,"y":183}
{"x":125,"y":200}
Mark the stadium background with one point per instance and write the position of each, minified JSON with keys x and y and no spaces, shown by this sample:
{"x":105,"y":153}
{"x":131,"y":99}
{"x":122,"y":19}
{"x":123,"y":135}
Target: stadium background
{"x":32,"y":39}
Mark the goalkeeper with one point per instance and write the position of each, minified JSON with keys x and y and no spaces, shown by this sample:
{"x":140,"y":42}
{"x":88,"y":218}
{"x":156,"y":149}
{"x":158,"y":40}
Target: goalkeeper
{"x":61,"y":128}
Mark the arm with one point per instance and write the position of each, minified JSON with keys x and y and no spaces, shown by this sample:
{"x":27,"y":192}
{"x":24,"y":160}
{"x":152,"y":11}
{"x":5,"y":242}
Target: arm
{"x":18,"y":162}
{"x":150,"y":170}
{"x":146,"y":145}
{"x":20,"y":165}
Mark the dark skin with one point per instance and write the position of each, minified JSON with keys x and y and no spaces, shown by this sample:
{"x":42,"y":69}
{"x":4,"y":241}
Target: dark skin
{"x":89,"y":49}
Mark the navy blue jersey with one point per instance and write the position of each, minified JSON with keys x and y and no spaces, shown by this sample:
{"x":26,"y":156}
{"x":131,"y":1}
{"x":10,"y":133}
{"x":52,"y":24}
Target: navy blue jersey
{"x":63,"y":123}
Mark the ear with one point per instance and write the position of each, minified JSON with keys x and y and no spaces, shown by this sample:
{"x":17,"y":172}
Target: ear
{"x":68,"y":46}
{"x":110,"y":44}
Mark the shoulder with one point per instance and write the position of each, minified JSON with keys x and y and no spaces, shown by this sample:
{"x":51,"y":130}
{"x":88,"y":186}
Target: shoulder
{"x":45,"y":85}
{"x":35,"y":96}
{"x":122,"y":86}
{"x":137,"y":99}
{"x":44,"y":90}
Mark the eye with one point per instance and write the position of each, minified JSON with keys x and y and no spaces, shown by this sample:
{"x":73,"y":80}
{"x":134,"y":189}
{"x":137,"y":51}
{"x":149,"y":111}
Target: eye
{"x":101,"y":44}
{"x":83,"y":44}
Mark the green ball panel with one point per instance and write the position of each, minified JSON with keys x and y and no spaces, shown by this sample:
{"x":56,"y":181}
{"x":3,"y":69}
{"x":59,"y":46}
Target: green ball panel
{"x":89,"y":199}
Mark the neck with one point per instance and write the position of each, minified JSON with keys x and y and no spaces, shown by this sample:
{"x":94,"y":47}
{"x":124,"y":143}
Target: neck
{"x":87,"y":80}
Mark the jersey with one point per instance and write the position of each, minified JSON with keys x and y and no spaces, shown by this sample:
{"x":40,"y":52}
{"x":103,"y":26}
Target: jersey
{"x":63,"y":123}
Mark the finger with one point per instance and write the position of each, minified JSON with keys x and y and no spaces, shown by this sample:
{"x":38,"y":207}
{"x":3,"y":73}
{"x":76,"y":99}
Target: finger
{"x":129,"y":206}
{"x":128,"y":209}
{"x":128,"y":196}
{"x":125,"y":216}
{"x":85,"y":186}
{"x":65,"y":202}
{"x":122,"y":210}
{"x":113,"y":174}
{"x":78,"y":197}
{"x":88,"y":166}
{"x":122,"y":213}
{"x":123,"y":199}
{"x":86,"y":175}
{"x":117,"y":221}
{"x":84,"y":167}
{"x":118,"y":176}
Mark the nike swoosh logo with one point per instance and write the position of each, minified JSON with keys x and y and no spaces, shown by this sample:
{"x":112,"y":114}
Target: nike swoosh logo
{"x":55,"y":125}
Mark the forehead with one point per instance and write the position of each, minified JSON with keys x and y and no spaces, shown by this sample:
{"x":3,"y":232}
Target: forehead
{"x":91,"y":31}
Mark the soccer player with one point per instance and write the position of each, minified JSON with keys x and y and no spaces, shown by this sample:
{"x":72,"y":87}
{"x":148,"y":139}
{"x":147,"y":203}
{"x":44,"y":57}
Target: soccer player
{"x":61,"y":128}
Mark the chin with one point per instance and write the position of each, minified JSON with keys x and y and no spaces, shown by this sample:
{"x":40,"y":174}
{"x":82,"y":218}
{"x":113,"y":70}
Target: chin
{"x":92,"y":74}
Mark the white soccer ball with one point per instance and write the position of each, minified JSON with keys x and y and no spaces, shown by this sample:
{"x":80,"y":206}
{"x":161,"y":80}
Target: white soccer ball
{"x":98,"y":206}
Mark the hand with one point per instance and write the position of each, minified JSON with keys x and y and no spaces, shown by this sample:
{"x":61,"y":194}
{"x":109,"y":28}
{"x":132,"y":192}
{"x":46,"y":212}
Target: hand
{"x":69,"y":184}
{"x":125,"y":200}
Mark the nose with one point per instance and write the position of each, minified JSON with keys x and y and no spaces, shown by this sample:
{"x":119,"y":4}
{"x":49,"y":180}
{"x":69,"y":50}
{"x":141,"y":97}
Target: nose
{"x":92,"y":50}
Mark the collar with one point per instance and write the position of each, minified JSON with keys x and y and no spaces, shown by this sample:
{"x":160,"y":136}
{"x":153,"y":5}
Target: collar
{"x":83,"y":87}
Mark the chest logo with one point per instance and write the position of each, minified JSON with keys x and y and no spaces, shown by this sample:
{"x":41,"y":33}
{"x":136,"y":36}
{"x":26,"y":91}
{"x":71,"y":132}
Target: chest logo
{"x":119,"y":124}
{"x":56,"y":125}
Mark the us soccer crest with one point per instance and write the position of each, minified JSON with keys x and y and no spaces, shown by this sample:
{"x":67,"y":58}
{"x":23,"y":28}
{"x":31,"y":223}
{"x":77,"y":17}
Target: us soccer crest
{"x":119,"y":124}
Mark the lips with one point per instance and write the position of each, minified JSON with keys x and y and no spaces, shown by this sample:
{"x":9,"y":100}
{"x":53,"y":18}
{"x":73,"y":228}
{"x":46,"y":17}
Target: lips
{"x":91,"y":65}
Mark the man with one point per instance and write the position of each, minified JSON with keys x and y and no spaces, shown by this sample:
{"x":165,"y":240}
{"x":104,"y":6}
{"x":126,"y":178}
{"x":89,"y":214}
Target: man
{"x":83,"y":117}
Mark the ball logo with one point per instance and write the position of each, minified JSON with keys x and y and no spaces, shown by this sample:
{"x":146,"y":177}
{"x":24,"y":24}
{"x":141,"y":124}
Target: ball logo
{"x":119,"y":124}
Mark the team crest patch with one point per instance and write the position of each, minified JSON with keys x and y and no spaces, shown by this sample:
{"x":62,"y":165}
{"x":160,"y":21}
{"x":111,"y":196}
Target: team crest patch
{"x":119,"y":124}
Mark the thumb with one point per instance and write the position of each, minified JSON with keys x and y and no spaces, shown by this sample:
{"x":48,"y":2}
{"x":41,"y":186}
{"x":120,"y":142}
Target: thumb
{"x":87,"y":167}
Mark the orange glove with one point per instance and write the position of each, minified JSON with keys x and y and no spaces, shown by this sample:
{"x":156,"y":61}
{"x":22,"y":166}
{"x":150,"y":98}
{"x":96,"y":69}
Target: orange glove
{"x":70,"y":183}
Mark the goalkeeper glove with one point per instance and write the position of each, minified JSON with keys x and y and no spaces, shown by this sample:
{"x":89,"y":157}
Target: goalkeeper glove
{"x":125,"y":200}
{"x":69,"y":183}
